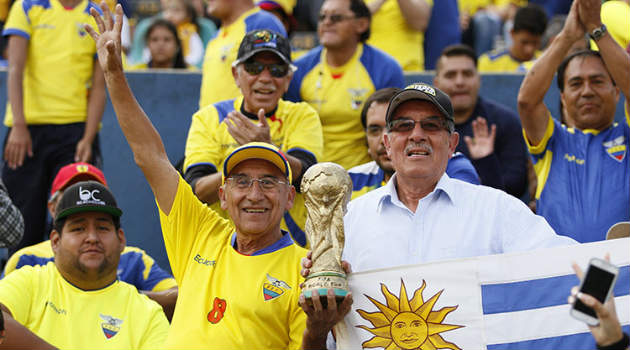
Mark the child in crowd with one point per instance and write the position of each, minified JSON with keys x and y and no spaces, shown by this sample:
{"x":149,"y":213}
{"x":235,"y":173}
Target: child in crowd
{"x":182,"y":14}
{"x":164,"y":46}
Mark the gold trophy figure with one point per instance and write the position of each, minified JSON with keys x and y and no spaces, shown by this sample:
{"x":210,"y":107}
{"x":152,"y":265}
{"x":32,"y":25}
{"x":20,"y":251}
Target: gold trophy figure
{"x":327,"y":188}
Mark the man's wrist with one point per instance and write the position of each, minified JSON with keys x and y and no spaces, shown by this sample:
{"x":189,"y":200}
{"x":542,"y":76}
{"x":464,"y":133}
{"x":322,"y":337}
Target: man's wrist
{"x":619,"y":345}
{"x":596,"y":31}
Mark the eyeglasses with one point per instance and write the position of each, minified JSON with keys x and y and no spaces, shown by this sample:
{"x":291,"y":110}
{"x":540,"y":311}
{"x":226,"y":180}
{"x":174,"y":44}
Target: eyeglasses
{"x":374,"y":130}
{"x":244,"y":182}
{"x":277,"y":70}
{"x":431,"y":124}
{"x":334,"y":19}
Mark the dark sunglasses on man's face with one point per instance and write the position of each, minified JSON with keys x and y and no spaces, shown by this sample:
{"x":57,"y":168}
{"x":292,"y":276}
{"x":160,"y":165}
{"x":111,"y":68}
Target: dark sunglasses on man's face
{"x":431,"y":124}
{"x":277,"y":70}
{"x":333,"y":18}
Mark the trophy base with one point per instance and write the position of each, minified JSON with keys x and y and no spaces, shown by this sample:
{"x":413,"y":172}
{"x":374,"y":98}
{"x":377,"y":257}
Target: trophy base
{"x":323,"y":296}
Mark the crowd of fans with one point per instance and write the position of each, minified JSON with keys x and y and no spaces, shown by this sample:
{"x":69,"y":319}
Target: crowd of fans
{"x":271,"y":107}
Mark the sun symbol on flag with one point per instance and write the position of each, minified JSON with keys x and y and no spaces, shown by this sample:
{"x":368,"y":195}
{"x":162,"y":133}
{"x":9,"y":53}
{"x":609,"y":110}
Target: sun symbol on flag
{"x":407,"y":324}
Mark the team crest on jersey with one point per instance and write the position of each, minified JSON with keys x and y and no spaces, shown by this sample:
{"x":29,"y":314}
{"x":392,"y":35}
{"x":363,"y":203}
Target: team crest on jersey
{"x":356,"y":97}
{"x":616,"y":148}
{"x":274,"y":288}
{"x":111,"y":326}
{"x":225,"y":50}
{"x":81,"y":29}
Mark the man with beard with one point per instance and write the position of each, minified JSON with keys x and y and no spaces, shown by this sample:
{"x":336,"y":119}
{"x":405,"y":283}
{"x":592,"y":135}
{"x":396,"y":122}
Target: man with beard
{"x":76,"y":301}
{"x":374,"y":174}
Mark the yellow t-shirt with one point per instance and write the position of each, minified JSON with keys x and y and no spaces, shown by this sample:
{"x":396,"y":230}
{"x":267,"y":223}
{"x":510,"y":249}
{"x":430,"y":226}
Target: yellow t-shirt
{"x":391,"y":34}
{"x":115,"y":317}
{"x":217,"y":82}
{"x":294,"y":126}
{"x":503,"y":62}
{"x":616,"y":16}
{"x":228,"y":300}
{"x":337,"y":94}
{"x":59,"y":63}
{"x":135,"y":267}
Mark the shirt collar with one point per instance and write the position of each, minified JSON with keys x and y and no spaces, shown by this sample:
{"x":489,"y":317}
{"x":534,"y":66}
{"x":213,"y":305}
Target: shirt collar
{"x":389,"y":195}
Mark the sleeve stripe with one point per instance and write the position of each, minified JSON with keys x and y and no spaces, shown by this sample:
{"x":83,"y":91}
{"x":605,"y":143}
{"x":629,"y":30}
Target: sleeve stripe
{"x":302,"y":150}
{"x":13,"y":31}
{"x":201,"y":163}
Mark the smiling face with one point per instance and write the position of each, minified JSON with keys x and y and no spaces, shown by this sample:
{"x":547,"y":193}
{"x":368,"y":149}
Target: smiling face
{"x":589,"y":97}
{"x":345,"y":31}
{"x":419,"y":154}
{"x":375,"y":122}
{"x":457,"y":76}
{"x":89,"y":246}
{"x":261,"y":90}
{"x":408,"y":330}
{"x":256,"y":211}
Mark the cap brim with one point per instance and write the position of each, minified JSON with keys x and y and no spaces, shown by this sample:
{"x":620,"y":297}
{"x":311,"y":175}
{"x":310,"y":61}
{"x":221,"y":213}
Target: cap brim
{"x":619,"y":230}
{"x":256,"y":152}
{"x":85,"y":176}
{"x":90,"y":208}
{"x":409,"y":95}
{"x":248,"y":55}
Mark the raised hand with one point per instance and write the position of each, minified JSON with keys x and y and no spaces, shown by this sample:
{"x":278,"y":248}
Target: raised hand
{"x":590,"y":13}
{"x":244,"y":131}
{"x":574,"y":29}
{"x":108,"y":45}
{"x":482,"y":142}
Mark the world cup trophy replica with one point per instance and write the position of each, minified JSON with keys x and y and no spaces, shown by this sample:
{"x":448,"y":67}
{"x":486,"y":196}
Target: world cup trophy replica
{"x":327,"y":188}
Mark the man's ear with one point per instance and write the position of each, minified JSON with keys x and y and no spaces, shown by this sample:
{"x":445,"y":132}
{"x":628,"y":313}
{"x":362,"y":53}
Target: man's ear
{"x":387,"y":144}
{"x":291,"y":198}
{"x":235,"y":75}
{"x":222,"y":197}
{"x":362,"y":25}
{"x":453,"y":140}
{"x":122,"y":239}
{"x":55,"y":240}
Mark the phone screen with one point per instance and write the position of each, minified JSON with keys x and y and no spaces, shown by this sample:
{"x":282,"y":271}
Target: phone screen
{"x":596,"y":284}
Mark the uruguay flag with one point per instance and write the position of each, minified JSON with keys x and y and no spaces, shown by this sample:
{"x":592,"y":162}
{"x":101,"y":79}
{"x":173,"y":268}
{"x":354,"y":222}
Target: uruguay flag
{"x":506,"y":301}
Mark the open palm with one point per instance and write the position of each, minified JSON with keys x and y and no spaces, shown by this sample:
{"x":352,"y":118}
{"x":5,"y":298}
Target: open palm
{"x":108,"y":41}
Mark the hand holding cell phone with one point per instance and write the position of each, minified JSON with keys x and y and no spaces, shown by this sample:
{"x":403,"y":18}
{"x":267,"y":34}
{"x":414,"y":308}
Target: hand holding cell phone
{"x":600,"y":315}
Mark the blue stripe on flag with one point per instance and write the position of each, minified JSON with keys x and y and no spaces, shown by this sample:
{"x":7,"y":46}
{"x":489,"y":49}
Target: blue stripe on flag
{"x":544,"y":292}
{"x":574,"y":341}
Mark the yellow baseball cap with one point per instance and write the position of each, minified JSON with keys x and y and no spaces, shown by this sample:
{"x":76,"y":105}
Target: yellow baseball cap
{"x":257,"y":150}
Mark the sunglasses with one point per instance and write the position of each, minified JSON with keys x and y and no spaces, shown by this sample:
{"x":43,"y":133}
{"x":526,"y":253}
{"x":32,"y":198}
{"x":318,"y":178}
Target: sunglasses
{"x":431,"y":124}
{"x":277,"y":70}
{"x":333,"y":18}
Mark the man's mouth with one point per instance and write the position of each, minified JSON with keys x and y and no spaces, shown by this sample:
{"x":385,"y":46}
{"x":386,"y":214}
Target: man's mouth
{"x":264,"y":91}
{"x":254,"y":210}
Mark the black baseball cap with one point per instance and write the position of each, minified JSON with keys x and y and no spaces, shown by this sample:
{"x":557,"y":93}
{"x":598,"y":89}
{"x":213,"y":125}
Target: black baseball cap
{"x":260,"y":40}
{"x":421,"y":91}
{"x":87,"y":196}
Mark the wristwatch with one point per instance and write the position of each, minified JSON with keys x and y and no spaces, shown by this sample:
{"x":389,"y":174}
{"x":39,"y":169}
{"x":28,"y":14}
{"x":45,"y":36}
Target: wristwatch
{"x":598,"y":32}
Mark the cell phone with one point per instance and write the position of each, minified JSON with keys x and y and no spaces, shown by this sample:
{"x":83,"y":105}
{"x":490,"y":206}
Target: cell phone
{"x":598,"y":282}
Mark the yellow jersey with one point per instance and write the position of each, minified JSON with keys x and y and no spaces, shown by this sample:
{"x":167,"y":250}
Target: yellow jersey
{"x":217,"y":82}
{"x":59,"y":63}
{"x":338,"y":93}
{"x":294,"y":126}
{"x":228,"y":300}
{"x":114,"y":317}
{"x":503,"y":62}
{"x":391,"y":34}
{"x":135,"y":267}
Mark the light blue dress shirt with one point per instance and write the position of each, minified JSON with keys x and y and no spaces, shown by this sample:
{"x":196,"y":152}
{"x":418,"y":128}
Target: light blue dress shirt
{"x":456,"y":220}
